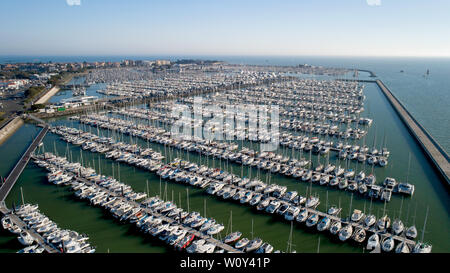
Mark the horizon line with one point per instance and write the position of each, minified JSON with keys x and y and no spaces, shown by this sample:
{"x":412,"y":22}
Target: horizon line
{"x":222,"y":55}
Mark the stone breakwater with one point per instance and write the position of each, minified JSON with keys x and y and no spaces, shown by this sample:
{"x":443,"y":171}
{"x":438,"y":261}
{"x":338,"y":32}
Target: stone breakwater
{"x":47,"y":95}
{"x":9,"y":129}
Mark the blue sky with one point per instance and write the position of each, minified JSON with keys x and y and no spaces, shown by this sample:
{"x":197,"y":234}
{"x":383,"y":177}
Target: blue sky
{"x":226,"y":27}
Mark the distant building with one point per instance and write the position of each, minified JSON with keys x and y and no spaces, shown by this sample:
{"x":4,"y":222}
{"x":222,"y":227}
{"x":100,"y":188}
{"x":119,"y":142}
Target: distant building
{"x":162,"y":62}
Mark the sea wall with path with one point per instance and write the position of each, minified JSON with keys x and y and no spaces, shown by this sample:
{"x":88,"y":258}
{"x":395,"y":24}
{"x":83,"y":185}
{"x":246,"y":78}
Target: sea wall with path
{"x":9,"y":128}
{"x":431,"y":147}
{"x":47,"y":95}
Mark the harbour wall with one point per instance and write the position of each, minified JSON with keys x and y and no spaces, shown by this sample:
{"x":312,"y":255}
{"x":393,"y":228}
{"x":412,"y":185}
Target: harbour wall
{"x":431,"y":147}
{"x":47,"y":95}
{"x":9,"y":128}
{"x":437,"y":155}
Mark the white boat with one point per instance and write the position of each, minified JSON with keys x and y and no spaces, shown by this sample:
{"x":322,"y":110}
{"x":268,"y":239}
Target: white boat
{"x":357,"y":215}
{"x":324,"y":224}
{"x":345,"y":233}
{"x":312,"y":202}
{"x":312,"y":220}
{"x":25,"y":238}
{"x":402,"y":248}
{"x":373,"y":242}
{"x":387,"y":244}
{"x":397,"y":226}
{"x":335,"y":227}
{"x":370,"y":220}
{"x":242,"y":243}
{"x":411,"y":232}
{"x":421,"y":247}
{"x":302,"y":215}
{"x":232,"y":237}
{"x":253,"y":245}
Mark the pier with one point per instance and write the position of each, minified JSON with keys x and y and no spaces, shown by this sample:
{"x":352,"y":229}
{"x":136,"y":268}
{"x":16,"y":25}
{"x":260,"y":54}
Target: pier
{"x":20,"y":166}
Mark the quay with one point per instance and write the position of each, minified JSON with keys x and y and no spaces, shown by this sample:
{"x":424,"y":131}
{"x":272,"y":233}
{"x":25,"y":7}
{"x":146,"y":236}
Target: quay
{"x":37,"y":238}
{"x":20,"y":166}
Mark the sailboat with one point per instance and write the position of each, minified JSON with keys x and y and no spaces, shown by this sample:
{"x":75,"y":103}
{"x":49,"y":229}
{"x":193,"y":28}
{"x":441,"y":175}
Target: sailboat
{"x":233,"y":236}
{"x":411,"y":232}
{"x":421,"y":246}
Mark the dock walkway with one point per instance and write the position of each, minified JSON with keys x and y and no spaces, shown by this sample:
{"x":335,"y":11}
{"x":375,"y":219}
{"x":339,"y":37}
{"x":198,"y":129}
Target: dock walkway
{"x":38,"y":238}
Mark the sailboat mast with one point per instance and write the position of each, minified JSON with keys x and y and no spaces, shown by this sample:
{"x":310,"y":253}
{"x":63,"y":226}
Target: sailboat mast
{"x":425,"y":224}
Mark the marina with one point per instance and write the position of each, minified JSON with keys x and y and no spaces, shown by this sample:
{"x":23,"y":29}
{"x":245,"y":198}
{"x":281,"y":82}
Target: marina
{"x":185,"y":132}
{"x":143,"y":128}
{"x":145,"y":216}
{"x":182,"y":174}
